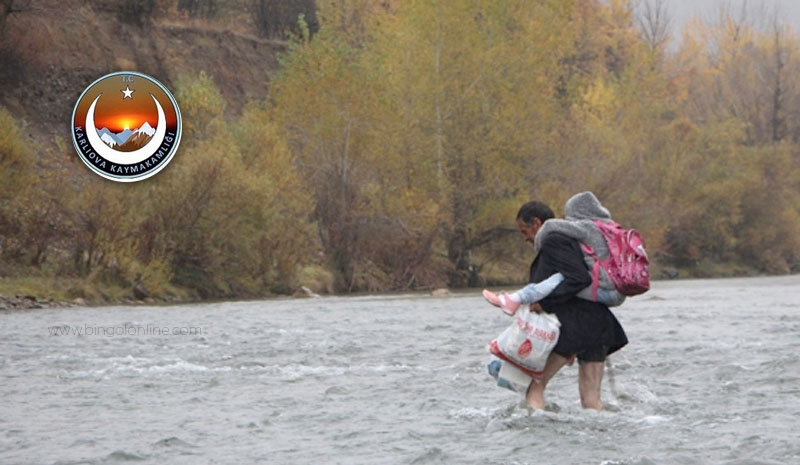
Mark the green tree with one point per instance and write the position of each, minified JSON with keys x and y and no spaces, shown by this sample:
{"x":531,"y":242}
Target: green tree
{"x":16,"y":177}
{"x":217,"y":214}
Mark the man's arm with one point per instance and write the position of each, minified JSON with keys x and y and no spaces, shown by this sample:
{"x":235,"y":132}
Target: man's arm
{"x":564,"y":255}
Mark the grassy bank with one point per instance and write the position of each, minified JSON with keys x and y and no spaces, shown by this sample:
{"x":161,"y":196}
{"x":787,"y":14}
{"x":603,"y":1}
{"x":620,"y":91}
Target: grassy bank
{"x":58,"y":291}
{"x":80,"y":290}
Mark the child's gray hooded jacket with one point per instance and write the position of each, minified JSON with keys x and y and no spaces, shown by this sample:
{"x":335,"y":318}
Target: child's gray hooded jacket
{"x":580,"y":212}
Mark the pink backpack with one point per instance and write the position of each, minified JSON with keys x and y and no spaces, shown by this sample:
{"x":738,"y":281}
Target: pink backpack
{"x":627,"y":262}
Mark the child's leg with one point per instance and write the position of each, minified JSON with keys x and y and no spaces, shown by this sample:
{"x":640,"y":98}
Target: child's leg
{"x":608,"y":297}
{"x":535,"y":292}
{"x":531,"y":293}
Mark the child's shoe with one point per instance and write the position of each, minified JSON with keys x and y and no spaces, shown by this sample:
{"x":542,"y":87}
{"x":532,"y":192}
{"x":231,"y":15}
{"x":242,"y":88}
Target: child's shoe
{"x":508,"y":305}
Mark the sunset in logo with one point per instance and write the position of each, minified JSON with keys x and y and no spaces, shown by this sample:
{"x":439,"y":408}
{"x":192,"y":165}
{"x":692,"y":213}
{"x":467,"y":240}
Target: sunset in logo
{"x":118,"y":115}
{"x":126,"y":122}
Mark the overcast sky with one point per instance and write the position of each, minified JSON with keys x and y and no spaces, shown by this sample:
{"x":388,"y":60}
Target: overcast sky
{"x":682,"y":10}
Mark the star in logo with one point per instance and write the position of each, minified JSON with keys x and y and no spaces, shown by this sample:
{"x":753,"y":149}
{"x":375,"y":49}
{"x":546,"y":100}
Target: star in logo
{"x":128,"y":93}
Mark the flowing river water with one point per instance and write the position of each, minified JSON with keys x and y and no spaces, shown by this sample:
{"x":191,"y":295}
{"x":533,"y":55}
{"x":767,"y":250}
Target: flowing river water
{"x":711,"y":376}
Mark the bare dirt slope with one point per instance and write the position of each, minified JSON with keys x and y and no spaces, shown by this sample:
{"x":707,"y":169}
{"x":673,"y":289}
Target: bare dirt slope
{"x":51,"y":50}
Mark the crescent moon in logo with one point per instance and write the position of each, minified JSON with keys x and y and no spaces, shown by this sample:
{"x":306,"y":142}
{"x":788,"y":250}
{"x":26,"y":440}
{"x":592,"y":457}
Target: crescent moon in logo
{"x":126,"y":158}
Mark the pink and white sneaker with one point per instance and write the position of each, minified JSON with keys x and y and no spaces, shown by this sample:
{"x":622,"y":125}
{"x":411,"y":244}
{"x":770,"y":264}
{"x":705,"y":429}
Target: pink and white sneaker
{"x":508,"y":305}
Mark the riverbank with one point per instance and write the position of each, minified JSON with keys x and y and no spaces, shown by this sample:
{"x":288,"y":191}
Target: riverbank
{"x":34,"y":292}
{"x":29,"y":302}
{"x":24,"y":293}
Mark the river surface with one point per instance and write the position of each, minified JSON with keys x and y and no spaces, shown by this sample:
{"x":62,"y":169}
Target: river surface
{"x":711,"y":376}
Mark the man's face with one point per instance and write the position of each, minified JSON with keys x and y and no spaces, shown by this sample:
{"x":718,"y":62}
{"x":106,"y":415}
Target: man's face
{"x":529,"y":230}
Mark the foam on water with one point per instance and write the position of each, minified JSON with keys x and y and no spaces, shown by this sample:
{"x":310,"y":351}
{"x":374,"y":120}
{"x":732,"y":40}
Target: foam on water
{"x":710,"y":377}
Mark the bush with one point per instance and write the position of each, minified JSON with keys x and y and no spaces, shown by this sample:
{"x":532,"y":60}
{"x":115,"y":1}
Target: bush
{"x":16,"y":177}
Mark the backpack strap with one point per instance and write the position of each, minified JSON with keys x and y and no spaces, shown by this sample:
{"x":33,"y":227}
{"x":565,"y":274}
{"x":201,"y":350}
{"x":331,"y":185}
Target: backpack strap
{"x":588,"y":250}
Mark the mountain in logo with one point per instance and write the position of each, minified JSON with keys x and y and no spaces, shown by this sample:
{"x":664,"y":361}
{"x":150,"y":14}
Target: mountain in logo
{"x":138,"y":138}
{"x":108,"y":137}
{"x":127,"y":140}
{"x":123,"y":136}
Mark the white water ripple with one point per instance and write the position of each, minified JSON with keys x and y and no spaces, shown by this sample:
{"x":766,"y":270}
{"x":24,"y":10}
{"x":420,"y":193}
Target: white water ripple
{"x":710,"y":377}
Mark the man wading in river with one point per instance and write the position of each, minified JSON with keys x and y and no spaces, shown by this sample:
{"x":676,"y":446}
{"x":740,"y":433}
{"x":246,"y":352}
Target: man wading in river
{"x":588,"y":329}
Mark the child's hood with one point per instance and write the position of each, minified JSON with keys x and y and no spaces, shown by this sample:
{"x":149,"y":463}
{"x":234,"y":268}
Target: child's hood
{"x":585,"y":206}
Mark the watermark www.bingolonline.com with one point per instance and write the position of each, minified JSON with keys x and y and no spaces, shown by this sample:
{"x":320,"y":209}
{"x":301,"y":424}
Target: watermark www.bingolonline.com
{"x":124,"y":330}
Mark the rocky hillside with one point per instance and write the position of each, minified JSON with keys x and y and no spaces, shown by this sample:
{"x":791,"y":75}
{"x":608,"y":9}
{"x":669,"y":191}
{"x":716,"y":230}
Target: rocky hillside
{"x":50,"y":50}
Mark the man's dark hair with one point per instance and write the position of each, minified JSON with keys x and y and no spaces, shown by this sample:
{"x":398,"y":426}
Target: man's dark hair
{"x":534,"y":209}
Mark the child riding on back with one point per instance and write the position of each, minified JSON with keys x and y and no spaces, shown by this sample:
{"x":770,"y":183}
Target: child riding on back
{"x":580,"y":212}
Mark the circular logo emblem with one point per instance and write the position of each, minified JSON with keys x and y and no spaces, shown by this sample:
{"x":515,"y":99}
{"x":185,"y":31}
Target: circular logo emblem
{"x":126,"y":126}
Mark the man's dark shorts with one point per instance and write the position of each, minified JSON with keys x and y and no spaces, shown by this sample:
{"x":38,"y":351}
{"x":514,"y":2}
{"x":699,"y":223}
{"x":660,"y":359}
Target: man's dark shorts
{"x":596,"y":354}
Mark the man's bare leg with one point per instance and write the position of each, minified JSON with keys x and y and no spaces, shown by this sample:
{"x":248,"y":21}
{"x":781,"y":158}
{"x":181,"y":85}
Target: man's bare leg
{"x":535,"y":394}
{"x":590,"y":377}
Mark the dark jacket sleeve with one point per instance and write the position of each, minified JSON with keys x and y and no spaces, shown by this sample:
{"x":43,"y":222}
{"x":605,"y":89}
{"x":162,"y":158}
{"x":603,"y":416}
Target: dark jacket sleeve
{"x":563,"y":254}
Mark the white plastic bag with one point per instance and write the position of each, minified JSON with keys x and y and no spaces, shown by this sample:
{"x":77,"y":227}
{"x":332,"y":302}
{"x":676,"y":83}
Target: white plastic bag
{"x":508,"y":376}
{"x":528,"y":341}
